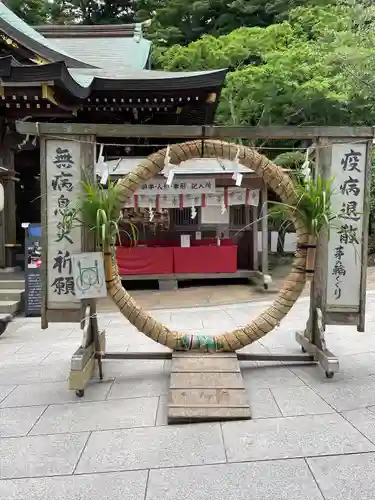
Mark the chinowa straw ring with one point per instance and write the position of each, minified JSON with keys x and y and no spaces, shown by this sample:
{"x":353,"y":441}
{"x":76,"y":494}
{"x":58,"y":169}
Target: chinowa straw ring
{"x":282,"y":185}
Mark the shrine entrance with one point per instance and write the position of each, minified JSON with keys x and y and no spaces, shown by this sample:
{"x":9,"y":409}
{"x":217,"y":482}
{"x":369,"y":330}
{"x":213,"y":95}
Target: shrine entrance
{"x":338,"y":289}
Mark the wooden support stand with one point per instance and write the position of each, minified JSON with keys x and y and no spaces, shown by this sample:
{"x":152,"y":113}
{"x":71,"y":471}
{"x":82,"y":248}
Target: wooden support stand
{"x":91,"y":349}
{"x":313,"y":342}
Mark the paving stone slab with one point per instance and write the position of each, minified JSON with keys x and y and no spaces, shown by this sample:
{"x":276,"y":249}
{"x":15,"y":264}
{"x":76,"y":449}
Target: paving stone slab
{"x":146,"y":347}
{"x":363,"y":420}
{"x":162,"y":411}
{"x":5,"y":390}
{"x":22,"y":359}
{"x":18,"y":421}
{"x":262,"y":403}
{"x":9,"y":349}
{"x":114,"y":486}
{"x":348,"y":477}
{"x":186,"y":320}
{"x":352,"y":366}
{"x":294,"y":401}
{"x":117,"y":414}
{"x":14,"y":375}
{"x":132,"y":368}
{"x":278,"y":480}
{"x":292,"y":437}
{"x":36,"y":456}
{"x":54,"y":393}
{"x":348,"y":394}
{"x":268,"y":377}
{"x":153,"y":447}
{"x":139,"y":386}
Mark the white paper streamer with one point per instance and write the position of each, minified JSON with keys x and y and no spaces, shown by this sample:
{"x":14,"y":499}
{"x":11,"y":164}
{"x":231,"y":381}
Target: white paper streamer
{"x":102,"y":166}
{"x":151,"y":212}
{"x":193,"y":212}
{"x":223,"y":207}
{"x":237,"y":176}
{"x":170,"y":177}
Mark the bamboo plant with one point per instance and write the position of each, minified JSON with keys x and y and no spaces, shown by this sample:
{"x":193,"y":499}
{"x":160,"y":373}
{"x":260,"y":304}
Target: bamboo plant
{"x":97,"y":211}
{"x":313,"y":208}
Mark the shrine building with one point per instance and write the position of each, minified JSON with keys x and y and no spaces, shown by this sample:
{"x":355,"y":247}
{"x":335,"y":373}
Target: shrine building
{"x":101,"y":75}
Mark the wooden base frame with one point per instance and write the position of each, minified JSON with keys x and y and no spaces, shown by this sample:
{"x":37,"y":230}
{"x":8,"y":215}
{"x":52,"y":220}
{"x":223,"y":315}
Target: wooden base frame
{"x":93,"y":348}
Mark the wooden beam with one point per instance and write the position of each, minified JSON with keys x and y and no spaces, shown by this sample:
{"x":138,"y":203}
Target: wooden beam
{"x":193,"y":131}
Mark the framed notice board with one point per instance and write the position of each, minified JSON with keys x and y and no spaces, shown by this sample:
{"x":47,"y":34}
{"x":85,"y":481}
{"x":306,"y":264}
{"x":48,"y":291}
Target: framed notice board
{"x":33,"y":261}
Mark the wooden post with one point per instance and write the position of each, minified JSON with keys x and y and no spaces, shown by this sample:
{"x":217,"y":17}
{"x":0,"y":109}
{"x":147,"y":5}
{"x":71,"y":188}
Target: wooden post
{"x":2,"y":235}
{"x":9,"y":199}
{"x":254,"y":212}
{"x":319,"y":282}
{"x":264,"y":225}
{"x":364,"y":256}
{"x":7,"y":216}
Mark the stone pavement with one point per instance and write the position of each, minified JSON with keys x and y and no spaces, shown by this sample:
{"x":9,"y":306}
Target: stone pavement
{"x":310,"y":438}
{"x":216,"y":294}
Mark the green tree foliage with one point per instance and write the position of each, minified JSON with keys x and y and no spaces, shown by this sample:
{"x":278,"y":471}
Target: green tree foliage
{"x":181,"y":22}
{"x":316,"y":67}
{"x":102,"y":12}
{"x":36,"y":12}
{"x":31,"y":11}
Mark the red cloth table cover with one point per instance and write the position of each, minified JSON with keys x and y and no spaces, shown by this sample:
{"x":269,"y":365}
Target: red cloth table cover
{"x":144,"y":260}
{"x":209,"y":259}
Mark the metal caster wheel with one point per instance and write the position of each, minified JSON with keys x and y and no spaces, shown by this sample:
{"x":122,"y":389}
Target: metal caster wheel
{"x":303,"y":350}
{"x":329,"y":374}
{"x":80,"y":393}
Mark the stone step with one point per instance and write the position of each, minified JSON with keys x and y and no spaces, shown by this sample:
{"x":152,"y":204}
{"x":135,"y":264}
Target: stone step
{"x":9,"y":306}
{"x":11,"y":294}
{"x":7,"y":284}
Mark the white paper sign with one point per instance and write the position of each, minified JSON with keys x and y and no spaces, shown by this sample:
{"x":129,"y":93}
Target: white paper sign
{"x":179,"y":185}
{"x":236,"y":196}
{"x":345,"y":244}
{"x":290,"y":242}
{"x":185,"y":240}
{"x":63,"y":165}
{"x":274,"y":241}
{"x":89,"y":276}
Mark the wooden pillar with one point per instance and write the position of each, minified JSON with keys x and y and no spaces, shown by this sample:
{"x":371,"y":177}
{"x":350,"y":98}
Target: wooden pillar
{"x":264,"y":226}
{"x":8,"y":228}
{"x":254,"y":226}
{"x":2,"y":235}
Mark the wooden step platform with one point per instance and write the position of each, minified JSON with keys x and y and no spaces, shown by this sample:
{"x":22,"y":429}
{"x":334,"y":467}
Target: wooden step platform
{"x":205,"y":388}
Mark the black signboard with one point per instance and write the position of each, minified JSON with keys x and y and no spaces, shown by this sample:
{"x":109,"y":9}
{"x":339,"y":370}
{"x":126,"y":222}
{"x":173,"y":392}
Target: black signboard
{"x":33,"y":261}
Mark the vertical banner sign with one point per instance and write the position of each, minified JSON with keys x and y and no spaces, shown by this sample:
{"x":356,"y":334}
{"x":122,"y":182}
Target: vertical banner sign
{"x":63,"y":177}
{"x":346,"y":239}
